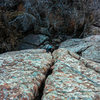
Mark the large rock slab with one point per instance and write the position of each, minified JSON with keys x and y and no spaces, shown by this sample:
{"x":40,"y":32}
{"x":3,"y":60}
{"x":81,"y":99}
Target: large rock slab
{"x":88,"y":47}
{"x":72,"y":79}
{"x":35,"y":39}
{"x":22,"y":72}
{"x":32,"y":41}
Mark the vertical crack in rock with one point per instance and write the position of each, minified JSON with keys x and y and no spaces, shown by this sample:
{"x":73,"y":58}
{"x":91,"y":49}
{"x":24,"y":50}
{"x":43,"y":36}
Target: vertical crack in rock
{"x":71,"y":78}
{"x":49,"y":72}
{"x":27,"y":70}
{"x":41,"y":89}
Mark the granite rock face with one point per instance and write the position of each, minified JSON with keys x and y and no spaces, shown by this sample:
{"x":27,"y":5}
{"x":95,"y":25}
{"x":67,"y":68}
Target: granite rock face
{"x":71,"y":78}
{"x":95,"y":27}
{"x":94,"y":30}
{"x":24,"y":22}
{"x":88,"y":47}
{"x":68,"y":17}
{"x":56,"y":16}
{"x":22,"y":72}
{"x":9,"y":4}
{"x":32,"y":41}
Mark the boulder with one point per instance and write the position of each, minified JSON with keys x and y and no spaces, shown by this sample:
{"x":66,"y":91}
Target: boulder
{"x":71,"y":79}
{"x":22,"y":73}
{"x":64,"y":16}
{"x":23,"y":22}
{"x":35,"y":39}
{"x":88,"y":47}
{"x":94,"y":30}
{"x":95,"y":27}
{"x":51,"y":18}
{"x":23,"y":46}
{"x":57,"y":16}
{"x":11,"y":5}
{"x":32,"y":41}
{"x":92,"y":52}
{"x":8,"y":3}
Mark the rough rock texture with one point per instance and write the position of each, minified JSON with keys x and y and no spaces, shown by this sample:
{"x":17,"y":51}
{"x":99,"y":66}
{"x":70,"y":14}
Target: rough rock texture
{"x":94,"y":30}
{"x":8,"y":4}
{"x":9,"y":37}
{"x":72,"y":79}
{"x":49,"y":17}
{"x":23,"y":22}
{"x":22,"y":72}
{"x":55,"y":16}
{"x":95,"y":27}
{"x":88,"y":47}
{"x":32,"y":41}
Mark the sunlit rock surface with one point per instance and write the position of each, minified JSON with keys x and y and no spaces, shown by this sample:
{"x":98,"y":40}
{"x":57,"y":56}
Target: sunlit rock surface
{"x":72,"y":79}
{"x":22,"y":72}
{"x":88,"y":47}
